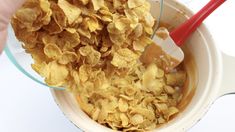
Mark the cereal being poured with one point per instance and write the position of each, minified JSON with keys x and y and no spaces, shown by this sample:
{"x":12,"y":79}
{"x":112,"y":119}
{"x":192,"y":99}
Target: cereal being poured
{"x":92,"y":47}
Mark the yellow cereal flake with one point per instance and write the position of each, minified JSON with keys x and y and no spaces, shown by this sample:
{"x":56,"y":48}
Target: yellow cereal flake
{"x":52,"y":51}
{"x":117,"y":39}
{"x":117,"y":4}
{"x":67,"y":57}
{"x":149,"y":75}
{"x":84,"y":32}
{"x":72,"y":12}
{"x":176,"y":79}
{"x":122,"y":24}
{"x":92,"y":56}
{"x":97,"y":4}
{"x":131,"y":15}
{"x":130,"y":90}
{"x":149,"y":20}
{"x":169,"y":89}
{"x":122,"y":105}
{"x":124,"y":58}
{"x":124,"y":119}
{"x":141,"y":43}
{"x":92,"y":23}
{"x":70,"y":39}
{"x":33,"y":15}
{"x":137,"y":32}
{"x":84,"y":2}
{"x":137,"y":119}
{"x":135,"y":3}
{"x":84,"y":73}
{"x":53,"y":77}
{"x":172,"y":111}
{"x":149,"y":114}
{"x":27,"y":19}
{"x":95,"y":114}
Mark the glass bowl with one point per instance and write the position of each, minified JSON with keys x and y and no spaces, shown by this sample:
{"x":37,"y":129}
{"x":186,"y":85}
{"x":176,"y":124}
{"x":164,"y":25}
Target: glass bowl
{"x":22,"y":60}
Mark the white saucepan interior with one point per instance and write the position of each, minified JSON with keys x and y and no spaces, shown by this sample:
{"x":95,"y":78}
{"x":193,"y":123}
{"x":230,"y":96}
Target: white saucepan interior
{"x":208,"y":65}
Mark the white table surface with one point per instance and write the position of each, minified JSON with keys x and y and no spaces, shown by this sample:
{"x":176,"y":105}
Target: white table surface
{"x":26,"y":106}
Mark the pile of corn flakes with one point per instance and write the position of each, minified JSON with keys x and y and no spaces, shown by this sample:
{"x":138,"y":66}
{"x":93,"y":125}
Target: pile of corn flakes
{"x":92,"y":47}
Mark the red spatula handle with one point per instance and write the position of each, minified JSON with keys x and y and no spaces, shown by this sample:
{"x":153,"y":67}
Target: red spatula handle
{"x":181,"y":33}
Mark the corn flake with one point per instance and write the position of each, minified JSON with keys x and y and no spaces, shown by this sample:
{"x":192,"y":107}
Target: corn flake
{"x":92,"y":56}
{"x":84,"y":2}
{"x":67,"y":57}
{"x":72,"y":12}
{"x":124,"y":119}
{"x":97,"y":4}
{"x":53,"y":77}
{"x":135,"y":3}
{"x":124,"y":58}
{"x":52,"y":51}
{"x":122,"y":105}
{"x":137,"y":119}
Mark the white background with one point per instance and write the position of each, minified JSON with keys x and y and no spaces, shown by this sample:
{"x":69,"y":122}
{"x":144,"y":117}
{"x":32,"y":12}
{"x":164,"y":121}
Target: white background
{"x":26,"y":106}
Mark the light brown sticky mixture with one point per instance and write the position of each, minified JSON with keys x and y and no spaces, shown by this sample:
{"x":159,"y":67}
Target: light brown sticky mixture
{"x":154,"y":53}
{"x":92,"y":47}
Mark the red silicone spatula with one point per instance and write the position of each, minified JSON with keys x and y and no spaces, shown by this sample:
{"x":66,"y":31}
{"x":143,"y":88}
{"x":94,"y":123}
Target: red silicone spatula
{"x":177,"y":37}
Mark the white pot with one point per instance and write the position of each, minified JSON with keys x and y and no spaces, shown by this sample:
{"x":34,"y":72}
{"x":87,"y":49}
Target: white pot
{"x":214,"y":77}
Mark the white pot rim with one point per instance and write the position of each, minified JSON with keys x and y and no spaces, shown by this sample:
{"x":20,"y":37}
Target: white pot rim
{"x":212,"y":88}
